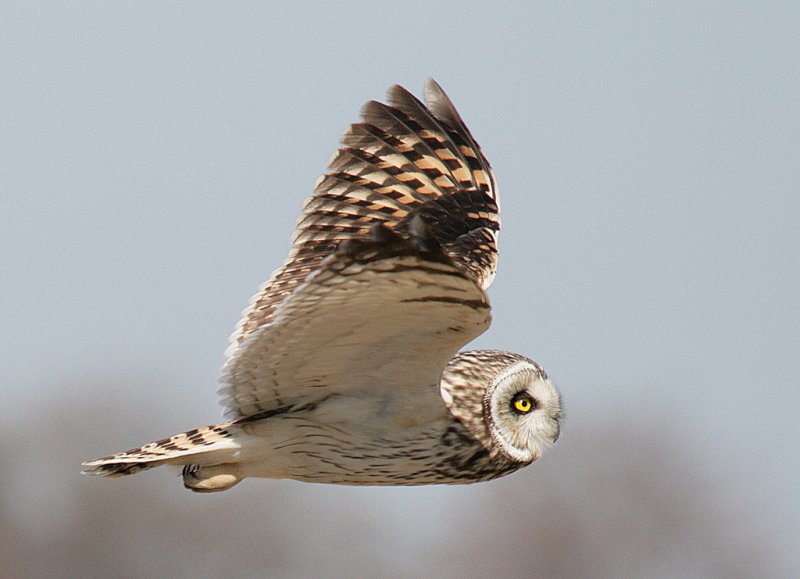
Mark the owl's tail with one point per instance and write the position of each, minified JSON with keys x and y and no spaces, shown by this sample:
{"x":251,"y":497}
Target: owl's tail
{"x":208,"y":455}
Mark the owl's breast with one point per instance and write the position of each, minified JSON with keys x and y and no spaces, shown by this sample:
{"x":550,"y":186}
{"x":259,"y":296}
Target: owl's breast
{"x":362,"y":439}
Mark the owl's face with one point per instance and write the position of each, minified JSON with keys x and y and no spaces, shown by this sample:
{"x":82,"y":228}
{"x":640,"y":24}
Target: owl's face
{"x":522,"y":410}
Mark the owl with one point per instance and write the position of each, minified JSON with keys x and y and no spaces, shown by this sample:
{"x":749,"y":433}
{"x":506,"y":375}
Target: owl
{"x":345,"y":368}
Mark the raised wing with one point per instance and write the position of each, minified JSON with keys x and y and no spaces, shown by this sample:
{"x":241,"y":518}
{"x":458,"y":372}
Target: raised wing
{"x":381,"y":316}
{"x":405,"y":159}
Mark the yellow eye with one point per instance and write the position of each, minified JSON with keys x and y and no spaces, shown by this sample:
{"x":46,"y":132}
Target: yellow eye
{"x":523,"y":403}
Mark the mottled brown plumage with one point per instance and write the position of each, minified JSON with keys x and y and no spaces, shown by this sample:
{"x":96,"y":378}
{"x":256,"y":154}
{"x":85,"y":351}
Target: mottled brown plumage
{"x":344,"y":369}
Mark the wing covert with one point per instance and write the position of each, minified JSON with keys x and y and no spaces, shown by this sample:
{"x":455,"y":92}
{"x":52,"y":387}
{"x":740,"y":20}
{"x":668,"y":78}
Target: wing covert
{"x":382,"y":313}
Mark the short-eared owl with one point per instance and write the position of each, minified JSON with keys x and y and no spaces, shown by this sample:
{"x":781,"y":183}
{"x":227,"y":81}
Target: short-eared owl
{"x":344,"y":368}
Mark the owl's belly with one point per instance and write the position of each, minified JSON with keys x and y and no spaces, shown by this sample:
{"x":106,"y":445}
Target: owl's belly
{"x":368,"y":444}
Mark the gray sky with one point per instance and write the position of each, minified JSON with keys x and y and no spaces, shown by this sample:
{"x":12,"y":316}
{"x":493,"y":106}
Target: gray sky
{"x":153,"y":159}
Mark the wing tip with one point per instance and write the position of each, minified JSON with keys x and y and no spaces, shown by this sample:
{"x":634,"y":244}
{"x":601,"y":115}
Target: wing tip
{"x":432,"y":90}
{"x":441,"y":105}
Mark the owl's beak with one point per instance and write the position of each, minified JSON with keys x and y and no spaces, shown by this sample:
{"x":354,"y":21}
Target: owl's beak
{"x":558,"y":432}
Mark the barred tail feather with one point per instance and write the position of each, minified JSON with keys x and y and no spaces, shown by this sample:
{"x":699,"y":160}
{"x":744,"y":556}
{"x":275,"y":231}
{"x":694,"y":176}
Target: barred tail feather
{"x":215,"y":442}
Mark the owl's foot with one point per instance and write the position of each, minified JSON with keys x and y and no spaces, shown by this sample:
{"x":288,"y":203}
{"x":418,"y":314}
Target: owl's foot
{"x":211,"y":479}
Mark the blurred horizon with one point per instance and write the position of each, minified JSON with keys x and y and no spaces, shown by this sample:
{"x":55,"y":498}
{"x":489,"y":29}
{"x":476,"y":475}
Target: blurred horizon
{"x":619,"y":501}
{"x":155,"y":158}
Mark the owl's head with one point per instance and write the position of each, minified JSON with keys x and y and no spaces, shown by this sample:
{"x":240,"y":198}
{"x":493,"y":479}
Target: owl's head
{"x":522,"y":410}
{"x":517,"y":412}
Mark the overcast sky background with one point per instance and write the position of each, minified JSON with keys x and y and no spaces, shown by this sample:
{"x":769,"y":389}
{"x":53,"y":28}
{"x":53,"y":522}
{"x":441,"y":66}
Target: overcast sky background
{"x":153,"y":160}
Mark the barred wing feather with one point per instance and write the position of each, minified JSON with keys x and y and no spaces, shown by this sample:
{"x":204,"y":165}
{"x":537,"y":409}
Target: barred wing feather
{"x":404,"y":159}
{"x":382,"y":313}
